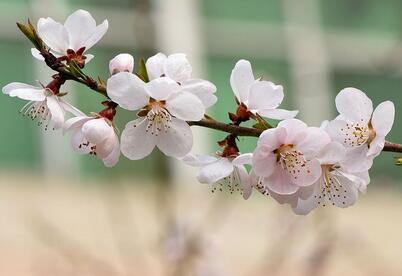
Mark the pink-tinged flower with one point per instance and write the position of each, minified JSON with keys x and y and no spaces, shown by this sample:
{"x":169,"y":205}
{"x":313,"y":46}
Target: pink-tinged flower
{"x":259,"y":96}
{"x":165,"y":108}
{"x":223,"y":171}
{"x":96,"y":136}
{"x":78,"y":34}
{"x":336,"y":186}
{"x":285,"y":157}
{"x":360,"y":129}
{"x":121,"y":63}
{"x":178,"y":68}
{"x":44,"y":106}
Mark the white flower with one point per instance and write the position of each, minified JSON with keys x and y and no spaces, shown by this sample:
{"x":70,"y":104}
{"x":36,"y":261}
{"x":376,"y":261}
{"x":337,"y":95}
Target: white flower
{"x":165,"y":108}
{"x":336,"y":186}
{"x":359,"y":128}
{"x":44,"y":106}
{"x":223,"y":171}
{"x":178,"y":68}
{"x":78,"y":34}
{"x":285,"y":157}
{"x":95,"y":136}
{"x":262,"y":97}
{"x":121,"y":63}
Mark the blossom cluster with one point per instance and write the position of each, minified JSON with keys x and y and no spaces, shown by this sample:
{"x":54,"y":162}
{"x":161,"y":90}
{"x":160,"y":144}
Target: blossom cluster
{"x":303,"y":166}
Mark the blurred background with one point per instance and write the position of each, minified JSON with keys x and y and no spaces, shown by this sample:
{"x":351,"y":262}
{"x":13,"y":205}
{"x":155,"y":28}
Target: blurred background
{"x":64,"y":214}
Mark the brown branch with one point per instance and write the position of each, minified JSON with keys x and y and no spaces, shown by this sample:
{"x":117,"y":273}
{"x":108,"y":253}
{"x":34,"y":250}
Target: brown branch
{"x":253,"y":132}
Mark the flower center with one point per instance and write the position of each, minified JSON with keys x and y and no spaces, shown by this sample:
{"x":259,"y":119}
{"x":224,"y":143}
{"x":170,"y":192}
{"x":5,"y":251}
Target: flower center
{"x":37,"y":111}
{"x":291,"y":160}
{"x":232,"y":183}
{"x":358,"y":134}
{"x":332,"y":191}
{"x":159,"y":119}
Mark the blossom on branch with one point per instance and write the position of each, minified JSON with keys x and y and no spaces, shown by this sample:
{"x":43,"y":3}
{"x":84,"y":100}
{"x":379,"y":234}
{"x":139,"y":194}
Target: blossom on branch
{"x":121,"y":63}
{"x":71,"y":40}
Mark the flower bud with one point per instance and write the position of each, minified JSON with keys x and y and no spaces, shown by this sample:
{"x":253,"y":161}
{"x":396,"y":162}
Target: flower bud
{"x":121,"y":63}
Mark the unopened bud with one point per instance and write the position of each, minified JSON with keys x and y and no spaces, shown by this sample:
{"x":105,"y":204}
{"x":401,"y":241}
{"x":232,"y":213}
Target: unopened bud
{"x":121,"y":63}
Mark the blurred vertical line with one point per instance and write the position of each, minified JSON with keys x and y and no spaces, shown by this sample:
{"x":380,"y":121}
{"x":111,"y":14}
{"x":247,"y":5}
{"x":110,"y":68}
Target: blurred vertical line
{"x":308,"y":58}
{"x":57,"y":157}
{"x":179,"y":29}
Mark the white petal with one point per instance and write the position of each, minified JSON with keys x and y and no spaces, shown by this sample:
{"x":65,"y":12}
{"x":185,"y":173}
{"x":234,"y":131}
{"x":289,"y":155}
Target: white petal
{"x":216,"y":171}
{"x":99,"y":32}
{"x":80,"y":25}
{"x":203,"y":89}
{"x":121,"y":63}
{"x":357,"y":160}
{"x":279,"y":182}
{"x":185,"y":106}
{"x":273,"y":138}
{"x":347,"y":191}
{"x":75,"y":122}
{"x":56,"y":111}
{"x":294,"y":128}
{"x":305,"y":206}
{"x":112,"y":159}
{"x":155,"y":66}
{"x":36,"y":54}
{"x":313,"y":141}
{"x":161,"y":88}
{"x":354,"y":105}
{"x":97,"y":130}
{"x":243,"y":159}
{"x":264,"y":161}
{"x":127,"y":90}
{"x":241,"y":79}
{"x":88,"y":58}
{"x":308,"y":174}
{"x":25,"y":91}
{"x":136,"y":143}
{"x":383,"y":118}
{"x":264,"y":95}
{"x":79,"y":143}
{"x":376,"y":146}
{"x":70,"y":108}
{"x":278,"y":114}
{"x":198,"y":160}
{"x":332,"y":153}
{"x":177,"y":67}
{"x":105,"y":148}
{"x":177,"y":141}
{"x":54,"y":34}
{"x":245,"y":181}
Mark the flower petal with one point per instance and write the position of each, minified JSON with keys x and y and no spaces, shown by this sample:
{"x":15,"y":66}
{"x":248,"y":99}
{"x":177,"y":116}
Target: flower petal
{"x":203,"y":89}
{"x":294,"y":129}
{"x":155,"y":66}
{"x":354,"y":105}
{"x":245,"y":181}
{"x":215,"y":171}
{"x":70,"y":108}
{"x":313,"y":141}
{"x":36,"y":54}
{"x":121,"y":63}
{"x":278,"y":114}
{"x":273,"y":138}
{"x":161,"y":88}
{"x":280,"y":183}
{"x":80,"y":25}
{"x":264,"y":161}
{"x":56,"y":111}
{"x":177,"y":141}
{"x":177,"y":67}
{"x":75,"y":122}
{"x":332,"y":153}
{"x":243,"y":159}
{"x":24,"y":91}
{"x":198,"y":160}
{"x":127,"y":90}
{"x":264,"y":95}
{"x":185,"y":106}
{"x":357,"y":160}
{"x":54,"y":34}
{"x":79,"y":143}
{"x":112,"y":159}
{"x":97,"y":35}
{"x":376,"y":146}
{"x":136,"y":142}
{"x":241,"y":79}
{"x":383,"y":118}
{"x":308,"y":174}
{"x":96,"y":131}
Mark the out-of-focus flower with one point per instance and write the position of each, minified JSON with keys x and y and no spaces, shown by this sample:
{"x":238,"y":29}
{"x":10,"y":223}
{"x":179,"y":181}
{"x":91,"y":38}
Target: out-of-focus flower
{"x":360,"y":129}
{"x":78,"y":34}
{"x":285,"y":157}
{"x":336,"y":186}
{"x":259,"y":96}
{"x":44,"y":105}
{"x":178,"y":68}
{"x":96,"y":136}
{"x":165,"y":108}
{"x":223,"y":171}
{"x":121,"y":63}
